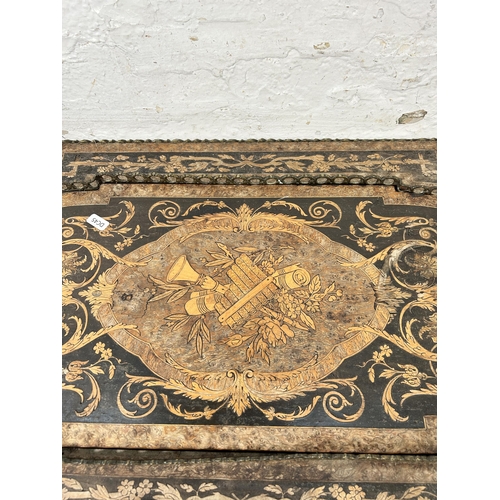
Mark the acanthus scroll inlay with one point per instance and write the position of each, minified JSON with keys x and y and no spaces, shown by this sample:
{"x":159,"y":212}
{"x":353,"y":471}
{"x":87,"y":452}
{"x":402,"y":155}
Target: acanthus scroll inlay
{"x":249,"y":307}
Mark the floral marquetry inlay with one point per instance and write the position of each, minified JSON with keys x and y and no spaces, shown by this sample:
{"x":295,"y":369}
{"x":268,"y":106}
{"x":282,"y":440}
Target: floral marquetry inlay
{"x":296,"y":311}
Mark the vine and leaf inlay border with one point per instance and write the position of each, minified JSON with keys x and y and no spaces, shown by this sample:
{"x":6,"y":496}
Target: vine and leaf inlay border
{"x":412,"y":169}
{"x":146,"y":489}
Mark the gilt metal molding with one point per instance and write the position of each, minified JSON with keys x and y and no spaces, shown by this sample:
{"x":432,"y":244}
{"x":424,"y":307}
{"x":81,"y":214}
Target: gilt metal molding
{"x":407,"y":165}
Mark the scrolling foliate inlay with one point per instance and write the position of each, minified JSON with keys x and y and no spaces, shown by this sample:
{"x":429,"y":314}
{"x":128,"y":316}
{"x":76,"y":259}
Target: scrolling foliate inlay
{"x":267,"y":163}
{"x":410,"y":165}
{"x":313,"y":312}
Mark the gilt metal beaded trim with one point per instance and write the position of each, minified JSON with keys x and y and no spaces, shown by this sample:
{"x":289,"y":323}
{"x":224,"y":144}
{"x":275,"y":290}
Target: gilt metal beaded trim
{"x":406,"y":165}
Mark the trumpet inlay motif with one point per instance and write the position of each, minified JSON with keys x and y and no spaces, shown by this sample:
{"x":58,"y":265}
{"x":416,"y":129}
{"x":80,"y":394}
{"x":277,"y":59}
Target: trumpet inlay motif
{"x":260,"y":308}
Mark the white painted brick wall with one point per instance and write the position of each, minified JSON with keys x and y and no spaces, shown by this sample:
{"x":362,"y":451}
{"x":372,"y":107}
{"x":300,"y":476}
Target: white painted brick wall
{"x":237,"y":69}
